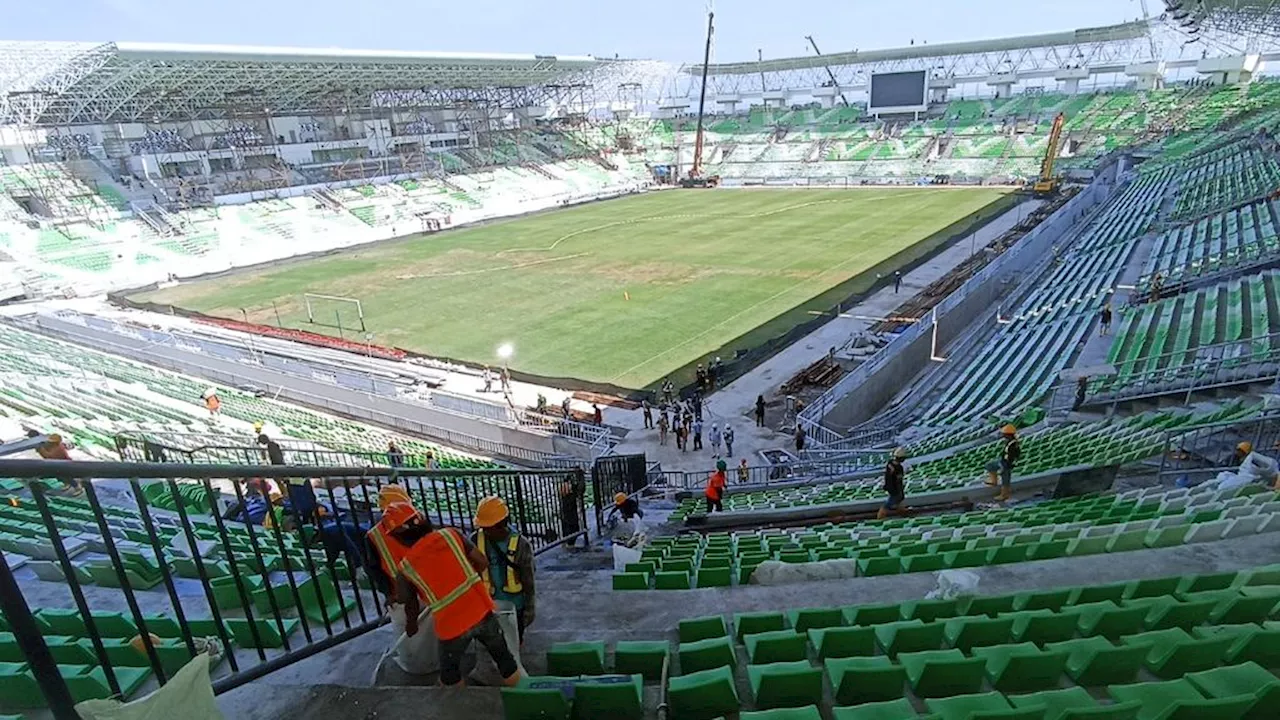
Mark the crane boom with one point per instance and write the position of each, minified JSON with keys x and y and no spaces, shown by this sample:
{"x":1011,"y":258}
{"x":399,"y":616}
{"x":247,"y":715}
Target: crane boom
{"x":1047,"y":183}
{"x":834,"y":83}
{"x":696,"y":171}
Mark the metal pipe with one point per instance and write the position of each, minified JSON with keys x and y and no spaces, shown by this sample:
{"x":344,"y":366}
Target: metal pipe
{"x":31,"y":642}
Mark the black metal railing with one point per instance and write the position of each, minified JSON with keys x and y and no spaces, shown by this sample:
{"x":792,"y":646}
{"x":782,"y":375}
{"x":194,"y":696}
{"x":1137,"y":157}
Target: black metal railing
{"x":259,"y":566}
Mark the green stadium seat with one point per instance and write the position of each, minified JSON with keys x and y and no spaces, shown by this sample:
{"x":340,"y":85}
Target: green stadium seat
{"x":640,"y":657}
{"x":965,"y":633}
{"x":521,"y":703}
{"x":990,"y":606}
{"x":802,"y":713}
{"x":1245,"y":679}
{"x":752,"y":623}
{"x":982,"y":706}
{"x":702,"y":695}
{"x":575,"y":658}
{"x":776,"y":646}
{"x":631,"y":581}
{"x":1211,"y":581}
{"x":872,"y":614}
{"x":1095,"y":661}
{"x":702,"y":628}
{"x":715,"y":577}
{"x":940,"y":673}
{"x":930,"y":610}
{"x":1180,"y":700}
{"x":887,"y":710}
{"x":814,"y":618}
{"x":785,"y":684}
{"x":1075,"y":703}
{"x":1041,"y":600}
{"x":622,"y":697}
{"x":843,"y":642}
{"x":910,"y":636}
{"x":1022,"y":667}
{"x":1109,"y":621}
{"x":1174,"y":653}
{"x":1166,"y":612}
{"x":1156,"y":587}
{"x":665,"y":580}
{"x":863,"y":680}
{"x":1247,"y":607}
{"x":1114,"y":592}
{"x":706,"y":655}
{"x":1251,"y":643}
{"x":1044,"y":626}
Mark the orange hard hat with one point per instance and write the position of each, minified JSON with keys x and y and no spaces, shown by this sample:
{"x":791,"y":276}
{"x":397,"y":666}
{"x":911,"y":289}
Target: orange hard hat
{"x":137,"y":643}
{"x":1009,"y":430}
{"x":491,"y":511}
{"x":1245,"y":447}
{"x":390,"y":494}
{"x":619,"y":498}
{"x":397,"y":515}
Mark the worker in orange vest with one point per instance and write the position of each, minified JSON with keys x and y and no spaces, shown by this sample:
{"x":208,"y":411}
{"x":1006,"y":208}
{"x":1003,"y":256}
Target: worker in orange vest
{"x":716,"y":484}
{"x":389,"y":541}
{"x":443,"y":568}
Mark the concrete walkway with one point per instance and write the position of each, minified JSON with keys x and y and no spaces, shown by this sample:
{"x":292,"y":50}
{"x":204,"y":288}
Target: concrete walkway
{"x":735,"y":404}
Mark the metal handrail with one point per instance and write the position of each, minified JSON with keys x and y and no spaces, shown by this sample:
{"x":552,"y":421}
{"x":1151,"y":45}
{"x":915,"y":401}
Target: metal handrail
{"x":251,"y":574}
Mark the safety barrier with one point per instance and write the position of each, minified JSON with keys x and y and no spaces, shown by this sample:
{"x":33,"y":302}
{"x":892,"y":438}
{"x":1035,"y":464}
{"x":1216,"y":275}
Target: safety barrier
{"x":276,"y":583}
{"x":1203,"y":452}
{"x":845,"y":462}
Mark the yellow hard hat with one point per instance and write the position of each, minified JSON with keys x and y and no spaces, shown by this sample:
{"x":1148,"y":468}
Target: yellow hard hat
{"x":900,"y":453}
{"x":1245,"y":447}
{"x":1009,"y":430}
{"x":619,"y":498}
{"x":55,"y":438}
{"x":275,"y":496}
{"x":392,"y":494}
{"x":257,"y":426}
{"x":491,"y":511}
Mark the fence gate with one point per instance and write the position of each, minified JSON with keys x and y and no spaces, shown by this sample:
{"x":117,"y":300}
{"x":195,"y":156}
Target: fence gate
{"x":614,"y":474}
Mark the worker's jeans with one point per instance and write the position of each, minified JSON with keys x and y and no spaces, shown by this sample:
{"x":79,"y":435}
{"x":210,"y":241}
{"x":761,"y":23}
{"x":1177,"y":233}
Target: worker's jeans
{"x":714,"y":504}
{"x":1006,"y":474}
{"x":489,"y":634}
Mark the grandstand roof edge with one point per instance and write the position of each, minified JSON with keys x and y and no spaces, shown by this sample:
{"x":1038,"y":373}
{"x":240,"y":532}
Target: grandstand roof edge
{"x":296,"y":54}
{"x":1109,"y":33}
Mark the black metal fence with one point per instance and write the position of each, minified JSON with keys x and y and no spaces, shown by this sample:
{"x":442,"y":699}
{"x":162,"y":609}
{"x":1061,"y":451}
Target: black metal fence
{"x":117,"y":574}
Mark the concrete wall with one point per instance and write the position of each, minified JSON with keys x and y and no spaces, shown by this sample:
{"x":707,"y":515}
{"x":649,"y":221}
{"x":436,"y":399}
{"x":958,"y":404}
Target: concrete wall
{"x":510,"y":442}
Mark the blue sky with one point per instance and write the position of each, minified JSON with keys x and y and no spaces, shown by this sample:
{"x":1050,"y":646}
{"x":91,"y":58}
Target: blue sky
{"x":661,"y":29}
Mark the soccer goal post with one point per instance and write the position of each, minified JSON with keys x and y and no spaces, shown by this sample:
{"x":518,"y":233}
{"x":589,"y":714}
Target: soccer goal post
{"x":320,"y":308}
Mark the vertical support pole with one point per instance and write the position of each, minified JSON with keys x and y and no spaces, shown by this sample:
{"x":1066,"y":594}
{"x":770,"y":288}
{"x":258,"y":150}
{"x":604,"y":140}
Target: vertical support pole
{"x":27,"y":633}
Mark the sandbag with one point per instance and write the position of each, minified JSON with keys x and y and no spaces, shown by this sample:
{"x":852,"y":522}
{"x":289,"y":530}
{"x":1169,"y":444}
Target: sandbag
{"x":953,"y":584}
{"x":774,"y":572}
{"x":622,"y":556}
{"x":486,"y":670}
{"x":418,"y":654}
{"x":187,"y":695}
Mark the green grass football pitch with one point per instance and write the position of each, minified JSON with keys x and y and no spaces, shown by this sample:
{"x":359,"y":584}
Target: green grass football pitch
{"x":621,"y":292}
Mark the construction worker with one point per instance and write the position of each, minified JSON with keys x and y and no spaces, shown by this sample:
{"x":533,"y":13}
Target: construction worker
{"x":1010,"y":453}
{"x":388,"y":542}
{"x":1241,"y":452}
{"x":716,"y":484}
{"x":894,"y":485}
{"x":627,"y":507}
{"x":444,"y":569}
{"x":510,"y":556}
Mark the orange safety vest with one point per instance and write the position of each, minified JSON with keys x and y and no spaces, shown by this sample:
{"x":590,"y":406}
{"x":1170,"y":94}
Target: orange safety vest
{"x":437,"y":566}
{"x":715,"y":486}
{"x":390,"y":551}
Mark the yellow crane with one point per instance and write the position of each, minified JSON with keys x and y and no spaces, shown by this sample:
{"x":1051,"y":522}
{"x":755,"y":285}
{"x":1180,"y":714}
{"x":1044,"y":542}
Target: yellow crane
{"x":1048,"y":183}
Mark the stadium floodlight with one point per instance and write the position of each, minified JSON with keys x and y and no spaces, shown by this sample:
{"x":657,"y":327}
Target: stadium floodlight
{"x":505,"y":351}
